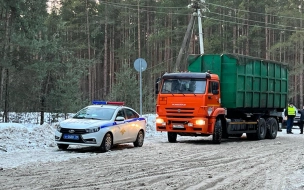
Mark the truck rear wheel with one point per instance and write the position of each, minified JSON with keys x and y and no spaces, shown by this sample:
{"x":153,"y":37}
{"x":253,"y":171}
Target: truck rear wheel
{"x":260,"y":132}
{"x":272,"y":128}
{"x":172,"y":137}
{"x":217,"y":133}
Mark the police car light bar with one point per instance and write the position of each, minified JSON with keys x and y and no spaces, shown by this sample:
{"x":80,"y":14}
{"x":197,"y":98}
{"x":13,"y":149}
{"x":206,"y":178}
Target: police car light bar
{"x":96,"y":102}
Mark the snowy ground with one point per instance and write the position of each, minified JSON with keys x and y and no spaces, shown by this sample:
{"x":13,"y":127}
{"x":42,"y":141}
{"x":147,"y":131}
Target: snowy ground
{"x":29,"y":159}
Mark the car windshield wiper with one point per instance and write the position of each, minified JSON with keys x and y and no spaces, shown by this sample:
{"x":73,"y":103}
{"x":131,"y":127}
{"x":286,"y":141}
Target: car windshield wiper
{"x":92,"y":118}
{"x":78,"y":117}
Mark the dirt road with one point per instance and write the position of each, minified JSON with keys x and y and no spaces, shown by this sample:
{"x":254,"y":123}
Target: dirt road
{"x":191,"y":163}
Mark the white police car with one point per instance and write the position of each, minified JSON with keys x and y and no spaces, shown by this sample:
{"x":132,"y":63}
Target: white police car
{"x":102,"y":125}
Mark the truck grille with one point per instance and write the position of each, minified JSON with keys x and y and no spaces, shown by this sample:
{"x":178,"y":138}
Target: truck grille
{"x":179,"y":112}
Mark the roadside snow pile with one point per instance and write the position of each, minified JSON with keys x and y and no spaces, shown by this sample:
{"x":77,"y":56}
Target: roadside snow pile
{"x":150,"y":119}
{"x":34,"y":117}
{"x":15,"y":137}
{"x":26,"y":136}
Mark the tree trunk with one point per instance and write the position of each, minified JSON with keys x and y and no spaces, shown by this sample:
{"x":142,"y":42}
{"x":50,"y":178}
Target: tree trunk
{"x":234,"y":34}
{"x":301,"y":62}
{"x":105,"y":62}
{"x":6,"y":99}
{"x":5,"y":72}
{"x":90,"y":81}
{"x":138,"y":29}
{"x":295,"y":83}
{"x":112,"y":58}
{"x":247,"y":30}
{"x":266,"y":37}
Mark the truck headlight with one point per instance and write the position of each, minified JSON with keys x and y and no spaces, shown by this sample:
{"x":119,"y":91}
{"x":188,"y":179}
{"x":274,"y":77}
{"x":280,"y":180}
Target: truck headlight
{"x":159,"y":121}
{"x":93,"y":130}
{"x":200,"y":122}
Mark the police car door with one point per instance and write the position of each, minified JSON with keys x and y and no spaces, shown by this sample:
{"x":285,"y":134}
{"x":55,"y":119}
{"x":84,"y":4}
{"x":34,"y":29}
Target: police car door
{"x":120,"y":132}
{"x":133,"y":124}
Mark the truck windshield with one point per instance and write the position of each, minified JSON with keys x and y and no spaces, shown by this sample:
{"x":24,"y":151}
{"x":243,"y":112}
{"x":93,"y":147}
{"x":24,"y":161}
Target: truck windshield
{"x":183,"y":86}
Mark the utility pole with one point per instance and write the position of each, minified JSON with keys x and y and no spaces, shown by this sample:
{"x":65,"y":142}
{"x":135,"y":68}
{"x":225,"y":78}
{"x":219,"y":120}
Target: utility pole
{"x":185,"y":44}
{"x":196,"y":6}
{"x":200,"y":29}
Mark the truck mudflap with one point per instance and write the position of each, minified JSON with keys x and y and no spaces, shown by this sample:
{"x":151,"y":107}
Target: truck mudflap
{"x":213,"y":116}
{"x":217,"y":111}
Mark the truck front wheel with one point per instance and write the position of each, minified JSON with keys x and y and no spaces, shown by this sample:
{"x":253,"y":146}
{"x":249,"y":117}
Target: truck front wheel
{"x":262,"y":129}
{"x":172,"y":137}
{"x":217,"y":133}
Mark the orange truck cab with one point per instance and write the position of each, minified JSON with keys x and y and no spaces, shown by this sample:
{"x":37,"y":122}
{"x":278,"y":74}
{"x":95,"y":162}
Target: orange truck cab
{"x":188,"y":104}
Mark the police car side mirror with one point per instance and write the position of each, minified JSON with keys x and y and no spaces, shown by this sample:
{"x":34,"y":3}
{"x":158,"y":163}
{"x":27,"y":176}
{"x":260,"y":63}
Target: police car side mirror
{"x":119,"y":118}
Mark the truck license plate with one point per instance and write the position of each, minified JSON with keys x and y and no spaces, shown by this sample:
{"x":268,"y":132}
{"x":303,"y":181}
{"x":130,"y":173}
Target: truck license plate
{"x":178,"y":126}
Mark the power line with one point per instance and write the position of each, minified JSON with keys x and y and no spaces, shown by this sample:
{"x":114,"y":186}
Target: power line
{"x":136,"y":9}
{"x":241,"y":10}
{"x":143,"y":6}
{"x":185,"y":7}
{"x":273,"y":26}
{"x":282,"y":29}
{"x":244,"y":19}
{"x":269,"y":25}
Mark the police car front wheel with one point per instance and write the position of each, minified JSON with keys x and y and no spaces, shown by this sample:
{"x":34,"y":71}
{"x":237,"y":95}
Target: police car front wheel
{"x":106,"y":144}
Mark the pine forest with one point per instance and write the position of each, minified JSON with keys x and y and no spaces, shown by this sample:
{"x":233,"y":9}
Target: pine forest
{"x":59,"y":55}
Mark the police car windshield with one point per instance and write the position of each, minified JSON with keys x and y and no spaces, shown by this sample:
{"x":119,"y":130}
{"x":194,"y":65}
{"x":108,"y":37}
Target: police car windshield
{"x":184,"y":86}
{"x":99,"y":113}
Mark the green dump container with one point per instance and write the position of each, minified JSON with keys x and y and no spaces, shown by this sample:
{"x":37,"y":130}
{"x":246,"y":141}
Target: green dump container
{"x":246,"y":82}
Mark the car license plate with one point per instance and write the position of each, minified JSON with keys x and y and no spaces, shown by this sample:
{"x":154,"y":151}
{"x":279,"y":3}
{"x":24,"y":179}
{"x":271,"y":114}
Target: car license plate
{"x":71,"y":137}
{"x":178,"y":126}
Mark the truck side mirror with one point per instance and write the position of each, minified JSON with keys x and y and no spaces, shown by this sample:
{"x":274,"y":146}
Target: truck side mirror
{"x":156,"y":89}
{"x":157,"y":85}
{"x":215,"y":88}
{"x":216,"y":92}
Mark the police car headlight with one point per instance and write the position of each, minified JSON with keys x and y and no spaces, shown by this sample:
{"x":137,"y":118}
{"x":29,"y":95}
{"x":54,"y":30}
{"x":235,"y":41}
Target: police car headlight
{"x":93,"y":130}
{"x":58,"y":127}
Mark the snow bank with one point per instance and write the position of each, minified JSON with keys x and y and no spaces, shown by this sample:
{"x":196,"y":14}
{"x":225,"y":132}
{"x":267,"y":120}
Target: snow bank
{"x":15,"y":136}
{"x":27,"y":136}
